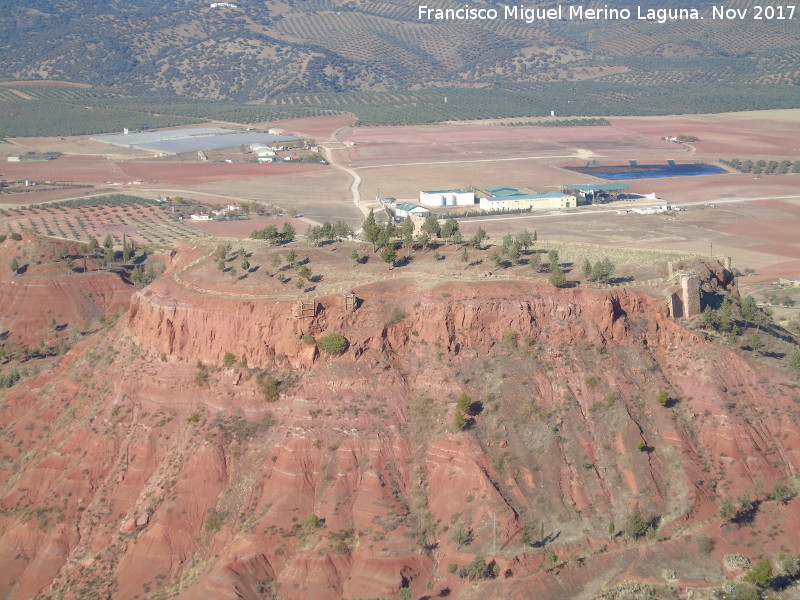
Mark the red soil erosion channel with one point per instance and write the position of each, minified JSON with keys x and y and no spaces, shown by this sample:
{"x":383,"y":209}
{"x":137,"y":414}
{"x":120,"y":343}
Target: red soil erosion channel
{"x":479,"y":436}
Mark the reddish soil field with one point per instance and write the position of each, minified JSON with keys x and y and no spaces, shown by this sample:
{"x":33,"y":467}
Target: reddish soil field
{"x":323,"y":195}
{"x":445,"y":156}
{"x":319,"y":128}
{"x":486,"y":142}
{"x":773,"y":231}
{"x":745,"y":135}
{"x":26,"y":198}
{"x":716,"y":187}
{"x":66,"y":168}
{"x":90,"y":169}
{"x":790,"y":268}
{"x":778,"y":249}
{"x":243,"y":229}
{"x":192,"y":173}
{"x":462,"y":134}
{"x":789,"y":206}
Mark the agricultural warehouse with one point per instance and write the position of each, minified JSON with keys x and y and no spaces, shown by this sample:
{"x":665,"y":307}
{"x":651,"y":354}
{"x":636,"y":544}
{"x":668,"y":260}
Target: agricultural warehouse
{"x":528,"y":201}
{"x":589,"y":191}
{"x":447,"y":198}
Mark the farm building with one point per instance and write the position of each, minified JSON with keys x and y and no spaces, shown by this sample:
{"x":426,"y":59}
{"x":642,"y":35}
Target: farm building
{"x":406,"y":209}
{"x":498,"y":191}
{"x":650,"y":210}
{"x":528,"y":201}
{"x":262,"y":150}
{"x":790,"y":282}
{"x":446,"y":198}
{"x":590,"y":191}
{"x":200,"y":217}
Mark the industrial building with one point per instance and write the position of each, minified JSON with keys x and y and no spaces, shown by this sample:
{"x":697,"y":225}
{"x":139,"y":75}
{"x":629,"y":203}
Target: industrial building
{"x":447,"y":198}
{"x":518,"y":201}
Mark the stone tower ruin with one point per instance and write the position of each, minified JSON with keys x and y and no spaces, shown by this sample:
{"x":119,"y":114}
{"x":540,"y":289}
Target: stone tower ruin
{"x":692,"y":276}
{"x":690,"y":294}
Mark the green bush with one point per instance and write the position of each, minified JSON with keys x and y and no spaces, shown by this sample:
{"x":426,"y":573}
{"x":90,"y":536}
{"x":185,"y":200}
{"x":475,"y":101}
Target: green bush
{"x":760,"y":574}
{"x":459,"y":421}
{"x":464,"y":404}
{"x":463,"y":536}
{"x":780,"y":493}
{"x":213,"y":521}
{"x":271,"y":389}
{"x":635,"y":525}
{"x":333,"y":343}
{"x":201,"y":377}
{"x":558,"y":279}
{"x":312,"y":521}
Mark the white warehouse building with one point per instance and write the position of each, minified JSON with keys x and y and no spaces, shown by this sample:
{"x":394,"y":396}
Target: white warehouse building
{"x":528,"y":201}
{"x":447,"y":198}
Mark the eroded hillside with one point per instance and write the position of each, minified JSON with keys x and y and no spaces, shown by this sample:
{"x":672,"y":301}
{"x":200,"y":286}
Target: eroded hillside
{"x":149,"y":462}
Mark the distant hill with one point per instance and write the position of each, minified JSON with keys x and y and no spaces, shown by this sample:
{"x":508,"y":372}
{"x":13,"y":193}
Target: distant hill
{"x":153,"y":64}
{"x":262,"y":51}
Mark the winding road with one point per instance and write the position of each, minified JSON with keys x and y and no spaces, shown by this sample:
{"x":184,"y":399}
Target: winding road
{"x":334,"y":143}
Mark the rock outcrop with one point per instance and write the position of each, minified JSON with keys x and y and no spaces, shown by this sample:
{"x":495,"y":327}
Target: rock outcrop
{"x":146,"y":468}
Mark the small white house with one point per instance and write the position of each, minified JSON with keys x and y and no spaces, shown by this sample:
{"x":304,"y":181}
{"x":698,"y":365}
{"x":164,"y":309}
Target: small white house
{"x":200,"y":217}
{"x":406,"y":209}
{"x":233,"y":207}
